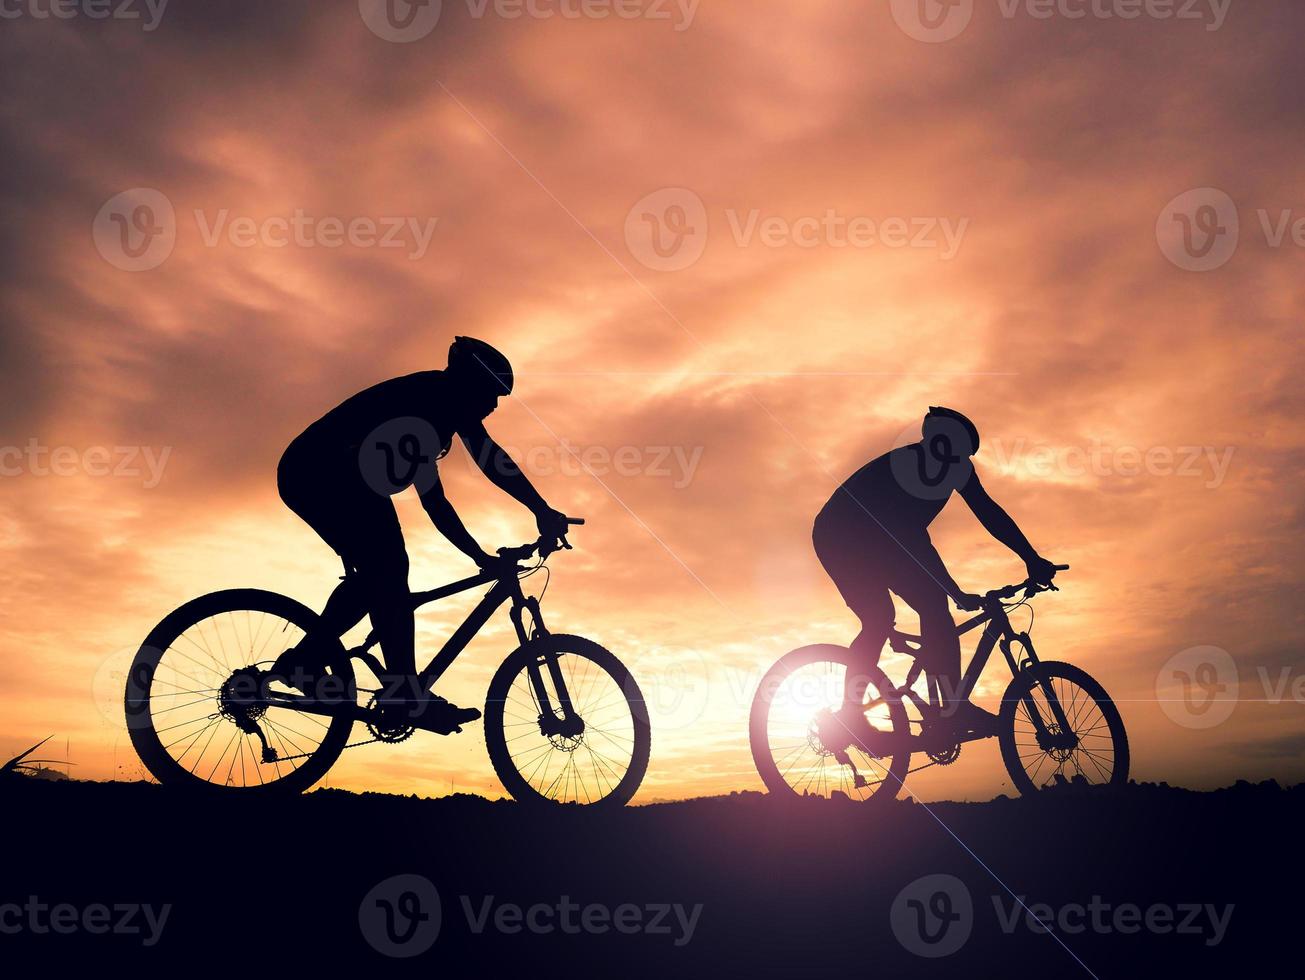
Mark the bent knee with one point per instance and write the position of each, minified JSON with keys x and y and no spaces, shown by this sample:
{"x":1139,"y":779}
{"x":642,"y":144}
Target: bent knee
{"x":877,"y":615}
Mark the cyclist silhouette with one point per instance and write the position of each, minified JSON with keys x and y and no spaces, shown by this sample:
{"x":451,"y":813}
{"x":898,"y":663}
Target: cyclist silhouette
{"x":872,"y":539}
{"x":339,"y":474}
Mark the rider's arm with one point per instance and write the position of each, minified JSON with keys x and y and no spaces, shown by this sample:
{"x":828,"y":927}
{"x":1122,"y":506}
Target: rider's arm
{"x":446,"y":519}
{"x":997,"y":522}
{"x":502,"y":471}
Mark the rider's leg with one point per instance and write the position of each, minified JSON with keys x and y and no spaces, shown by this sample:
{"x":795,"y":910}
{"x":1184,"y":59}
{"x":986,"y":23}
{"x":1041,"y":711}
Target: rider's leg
{"x":383,"y":569}
{"x":941,"y":644}
{"x":875,"y":610}
{"x":918,"y":580}
{"x":852,"y":557}
{"x":346,"y":607}
{"x":942,"y":647}
{"x":346,"y":517}
{"x":381,"y":564}
{"x":393,"y":620}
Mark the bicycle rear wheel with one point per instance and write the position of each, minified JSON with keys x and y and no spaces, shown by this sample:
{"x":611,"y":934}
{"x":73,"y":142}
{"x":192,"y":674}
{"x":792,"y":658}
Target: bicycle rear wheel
{"x":1037,"y":753}
{"x":199,"y":668}
{"x":603,"y":765}
{"x":797,"y":739}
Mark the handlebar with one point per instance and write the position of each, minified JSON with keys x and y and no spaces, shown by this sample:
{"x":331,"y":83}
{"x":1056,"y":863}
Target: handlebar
{"x":545,"y":546}
{"x":1029,"y":587}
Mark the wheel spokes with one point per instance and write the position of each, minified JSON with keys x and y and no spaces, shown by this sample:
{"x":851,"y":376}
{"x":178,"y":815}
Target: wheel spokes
{"x":582,"y":769}
{"x":1085,"y":757}
{"x":801,"y":716}
{"x":186,"y":709}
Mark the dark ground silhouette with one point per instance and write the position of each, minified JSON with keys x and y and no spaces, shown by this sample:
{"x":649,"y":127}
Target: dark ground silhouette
{"x":802,"y":888}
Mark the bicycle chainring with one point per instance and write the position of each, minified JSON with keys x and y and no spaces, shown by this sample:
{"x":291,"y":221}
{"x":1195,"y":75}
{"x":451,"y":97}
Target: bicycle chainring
{"x":946,"y":755}
{"x":386,"y":727}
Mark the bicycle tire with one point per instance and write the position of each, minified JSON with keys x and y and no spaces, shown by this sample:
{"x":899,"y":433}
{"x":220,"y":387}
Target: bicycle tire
{"x":1021,"y":687}
{"x":520,"y":786}
{"x":145,"y":735}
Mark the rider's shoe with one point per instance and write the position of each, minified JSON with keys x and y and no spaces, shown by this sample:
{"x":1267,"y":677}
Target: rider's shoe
{"x":437,"y":714}
{"x":850,"y":721}
{"x":431,"y":713}
{"x":966,"y":716}
{"x":298,"y":668}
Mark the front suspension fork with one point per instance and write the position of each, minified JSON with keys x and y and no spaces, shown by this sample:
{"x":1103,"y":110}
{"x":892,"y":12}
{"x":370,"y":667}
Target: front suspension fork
{"x":568,"y":724}
{"x":1030,"y":662}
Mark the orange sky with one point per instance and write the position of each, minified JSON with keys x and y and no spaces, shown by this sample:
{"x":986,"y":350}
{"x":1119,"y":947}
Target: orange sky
{"x":743,"y":383}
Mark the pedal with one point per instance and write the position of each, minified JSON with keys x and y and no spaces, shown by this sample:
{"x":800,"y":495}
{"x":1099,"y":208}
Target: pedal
{"x":438,"y":727}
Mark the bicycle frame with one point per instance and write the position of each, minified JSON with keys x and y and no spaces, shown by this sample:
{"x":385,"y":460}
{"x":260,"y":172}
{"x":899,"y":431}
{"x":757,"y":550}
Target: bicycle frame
{"x":505,"y":587}
{"x":998,"y":632}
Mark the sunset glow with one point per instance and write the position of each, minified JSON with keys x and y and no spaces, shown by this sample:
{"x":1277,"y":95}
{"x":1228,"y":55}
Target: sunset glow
{"x":732,"y":260}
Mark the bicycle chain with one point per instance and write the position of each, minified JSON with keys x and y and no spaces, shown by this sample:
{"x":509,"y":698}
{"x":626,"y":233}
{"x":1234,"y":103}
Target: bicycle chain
{"x":351,"y":745}
{"x":309,"y":755}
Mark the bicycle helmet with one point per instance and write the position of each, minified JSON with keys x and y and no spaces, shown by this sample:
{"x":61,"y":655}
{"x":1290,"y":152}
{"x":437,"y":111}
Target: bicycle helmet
{"x":937,"y":413}
{"x":478,"y":362}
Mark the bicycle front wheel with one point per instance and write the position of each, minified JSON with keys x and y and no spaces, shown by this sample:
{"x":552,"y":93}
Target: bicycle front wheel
{"x":1039,"y":752}
{"x":599,"y":765}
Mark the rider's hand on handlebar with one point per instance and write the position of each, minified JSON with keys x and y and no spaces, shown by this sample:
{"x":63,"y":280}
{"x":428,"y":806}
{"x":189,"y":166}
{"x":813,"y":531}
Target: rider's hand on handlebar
{"x":1042,"y":571}
{"x":485,"y":560}
{"x":967,"y":602}
{"x":553,"y":525}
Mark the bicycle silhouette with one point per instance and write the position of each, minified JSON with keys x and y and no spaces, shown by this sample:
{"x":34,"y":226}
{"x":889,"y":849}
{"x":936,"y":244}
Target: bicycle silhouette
{"x":1056,"y":723}
{"x":565,"y":720}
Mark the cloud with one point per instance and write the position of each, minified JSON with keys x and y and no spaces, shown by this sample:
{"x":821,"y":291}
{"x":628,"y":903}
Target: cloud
{"x":1059,"y":325}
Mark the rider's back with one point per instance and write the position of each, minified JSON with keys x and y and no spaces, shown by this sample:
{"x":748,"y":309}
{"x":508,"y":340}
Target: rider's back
{"x":334,"y":440}
{"x":883,"y":497}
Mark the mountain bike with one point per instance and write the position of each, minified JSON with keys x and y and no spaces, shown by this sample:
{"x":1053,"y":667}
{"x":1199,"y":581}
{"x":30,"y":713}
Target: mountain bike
{"x":1056,"y":724}
{"x":565,"y":721}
